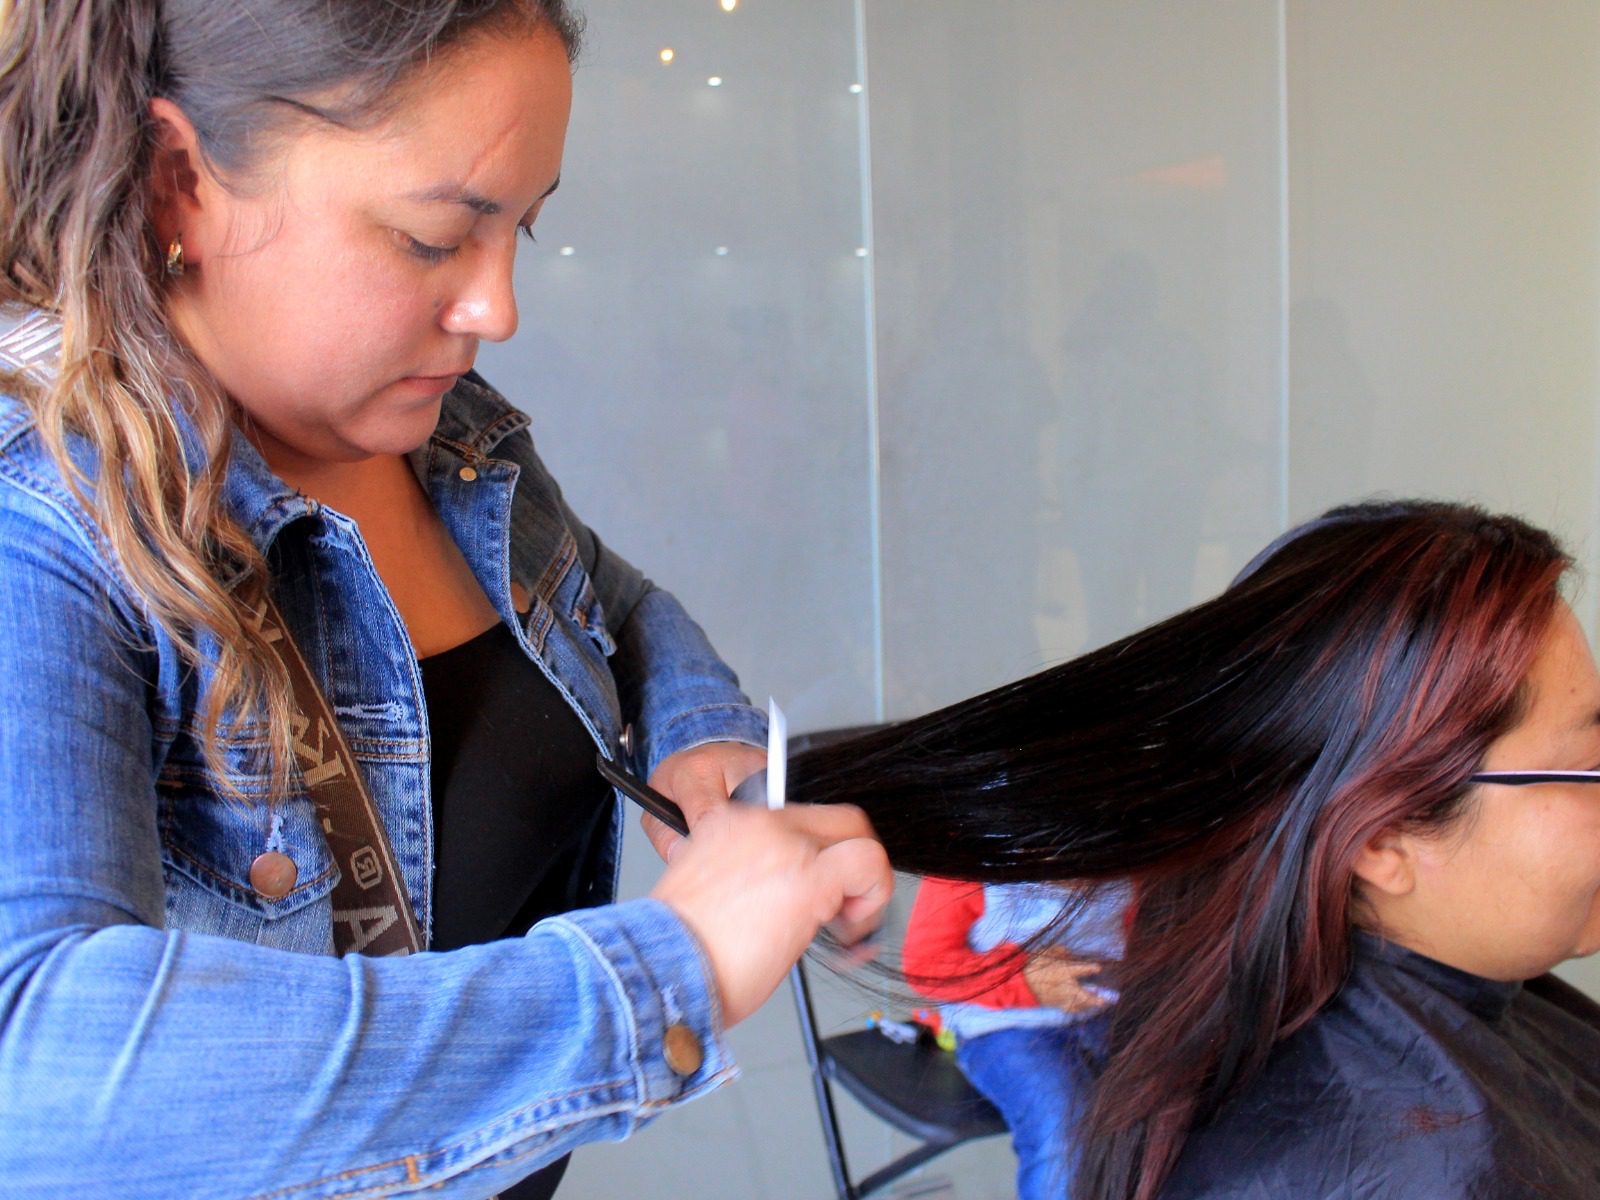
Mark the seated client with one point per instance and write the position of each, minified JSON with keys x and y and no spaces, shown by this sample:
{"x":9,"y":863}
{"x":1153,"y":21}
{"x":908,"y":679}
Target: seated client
{"x":1029,"y":1028}
{"x":1358,"y":795}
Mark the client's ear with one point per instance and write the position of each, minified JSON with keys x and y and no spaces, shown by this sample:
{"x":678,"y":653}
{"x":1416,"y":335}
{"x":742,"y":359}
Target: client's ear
{"x":1387,"y":863}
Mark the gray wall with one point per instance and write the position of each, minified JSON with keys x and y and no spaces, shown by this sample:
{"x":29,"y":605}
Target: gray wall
{"x":1032,"y":339}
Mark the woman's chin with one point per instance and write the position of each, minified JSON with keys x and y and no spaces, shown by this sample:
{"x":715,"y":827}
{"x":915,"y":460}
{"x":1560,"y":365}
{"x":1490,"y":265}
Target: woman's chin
{"x":403,"y":431}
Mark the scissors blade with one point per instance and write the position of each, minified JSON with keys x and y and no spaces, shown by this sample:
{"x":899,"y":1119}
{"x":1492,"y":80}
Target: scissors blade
{"x":777,"y":754}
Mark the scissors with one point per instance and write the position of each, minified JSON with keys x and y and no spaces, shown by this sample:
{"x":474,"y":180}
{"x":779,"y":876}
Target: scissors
{"x":764,"y":787}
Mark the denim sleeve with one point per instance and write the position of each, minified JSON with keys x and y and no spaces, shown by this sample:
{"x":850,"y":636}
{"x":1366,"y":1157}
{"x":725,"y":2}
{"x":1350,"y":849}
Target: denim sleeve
{"x":675,"y":690}
{"x":139,"y":1061}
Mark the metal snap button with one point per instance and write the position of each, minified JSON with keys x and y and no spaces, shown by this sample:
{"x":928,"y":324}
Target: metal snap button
{"x":682,"y":1050}
{"x":467,"y":474}
{"x":273,"y":874}
{"x":626,"y":740}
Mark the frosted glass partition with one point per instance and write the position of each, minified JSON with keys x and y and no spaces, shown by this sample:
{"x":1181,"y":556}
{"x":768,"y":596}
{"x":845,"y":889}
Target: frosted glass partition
{"x":1142,"y":283}
{"x":1078,"y":261}
{"x":693,"y":352}
{"x":1445,"y":263}
{"x":693,"y":341}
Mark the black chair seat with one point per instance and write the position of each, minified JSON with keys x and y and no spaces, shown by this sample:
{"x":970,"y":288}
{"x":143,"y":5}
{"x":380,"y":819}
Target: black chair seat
{"x":915,"y":1087}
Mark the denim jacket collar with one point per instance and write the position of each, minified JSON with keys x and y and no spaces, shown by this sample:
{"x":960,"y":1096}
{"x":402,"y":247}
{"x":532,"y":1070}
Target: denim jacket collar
{"x":479,"y":418}
{"x":474,"y":420}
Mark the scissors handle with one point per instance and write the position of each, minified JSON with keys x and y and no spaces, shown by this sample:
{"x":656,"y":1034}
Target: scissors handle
{"x":642,"y":794}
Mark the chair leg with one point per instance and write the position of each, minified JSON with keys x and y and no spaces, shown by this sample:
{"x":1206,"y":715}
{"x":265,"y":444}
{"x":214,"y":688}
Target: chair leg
{"x":903,"y":1165}
{"x":819,"y":1085}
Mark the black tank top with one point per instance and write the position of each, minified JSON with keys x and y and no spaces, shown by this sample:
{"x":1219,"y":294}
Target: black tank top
{"x":517,"y":804}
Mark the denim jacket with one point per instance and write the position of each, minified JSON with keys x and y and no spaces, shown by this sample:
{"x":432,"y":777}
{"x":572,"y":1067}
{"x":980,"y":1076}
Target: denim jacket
{"x":167,"y":1031}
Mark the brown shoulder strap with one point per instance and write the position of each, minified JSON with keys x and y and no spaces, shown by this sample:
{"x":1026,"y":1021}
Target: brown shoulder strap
{"x":371,"y":913}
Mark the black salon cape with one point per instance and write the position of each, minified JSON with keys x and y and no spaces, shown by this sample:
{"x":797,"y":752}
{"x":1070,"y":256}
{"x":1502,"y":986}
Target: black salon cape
{"x":1418,"y":1082}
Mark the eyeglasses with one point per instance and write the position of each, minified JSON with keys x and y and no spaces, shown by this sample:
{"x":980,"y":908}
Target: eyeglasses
{"x":1522,"y":778}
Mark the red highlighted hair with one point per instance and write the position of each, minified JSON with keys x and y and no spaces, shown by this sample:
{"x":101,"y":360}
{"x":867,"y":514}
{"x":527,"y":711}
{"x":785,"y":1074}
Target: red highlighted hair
{"x":1231,"y":760}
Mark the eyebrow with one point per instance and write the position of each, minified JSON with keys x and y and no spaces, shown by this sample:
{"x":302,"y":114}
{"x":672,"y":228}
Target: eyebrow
{"x":454,"y":193}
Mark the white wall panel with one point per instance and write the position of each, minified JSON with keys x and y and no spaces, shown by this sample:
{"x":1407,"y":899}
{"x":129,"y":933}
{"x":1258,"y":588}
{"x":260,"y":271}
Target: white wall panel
{"x":705,"y":410}
{"x":1445,"y":253}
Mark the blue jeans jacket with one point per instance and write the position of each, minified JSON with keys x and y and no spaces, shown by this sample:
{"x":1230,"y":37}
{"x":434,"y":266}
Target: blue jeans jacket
{"x":166,"y":1031}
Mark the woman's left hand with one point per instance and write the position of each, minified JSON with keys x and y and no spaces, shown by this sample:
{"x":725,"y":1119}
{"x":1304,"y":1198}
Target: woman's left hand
{"x":699,"y":780}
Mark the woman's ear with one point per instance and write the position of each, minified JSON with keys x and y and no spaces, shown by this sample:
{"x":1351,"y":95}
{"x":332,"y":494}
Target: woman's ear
{"x":175,"y":183}
{"x":1387,"y":863}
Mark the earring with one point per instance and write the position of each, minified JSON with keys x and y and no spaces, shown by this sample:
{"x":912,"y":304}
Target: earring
{"x":175,"y":264}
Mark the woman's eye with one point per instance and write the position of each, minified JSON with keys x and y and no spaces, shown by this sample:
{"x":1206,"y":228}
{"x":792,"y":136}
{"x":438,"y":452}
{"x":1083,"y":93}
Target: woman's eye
{"x":430,"y":253}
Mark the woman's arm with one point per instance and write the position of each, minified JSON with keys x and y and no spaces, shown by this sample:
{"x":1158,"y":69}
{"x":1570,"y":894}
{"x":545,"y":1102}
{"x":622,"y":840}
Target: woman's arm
{"x":674,"y":688}
{"x":139,"y":1061}
{"x":695,"y":734}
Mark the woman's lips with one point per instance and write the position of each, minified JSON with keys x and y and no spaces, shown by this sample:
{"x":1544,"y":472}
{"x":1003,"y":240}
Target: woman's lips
{"x":428,"y":385}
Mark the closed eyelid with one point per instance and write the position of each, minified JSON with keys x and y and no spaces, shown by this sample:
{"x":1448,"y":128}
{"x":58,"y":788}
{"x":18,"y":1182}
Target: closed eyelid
{"x":429,"y":253}
{"x":453,"y":193}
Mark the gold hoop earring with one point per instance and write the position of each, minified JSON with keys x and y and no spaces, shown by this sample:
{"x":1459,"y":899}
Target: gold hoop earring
{"x":175,"y":263}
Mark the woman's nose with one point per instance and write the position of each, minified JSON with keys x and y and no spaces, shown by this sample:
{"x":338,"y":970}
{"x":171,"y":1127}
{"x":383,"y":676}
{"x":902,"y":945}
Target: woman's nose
{"x":485,"y":306}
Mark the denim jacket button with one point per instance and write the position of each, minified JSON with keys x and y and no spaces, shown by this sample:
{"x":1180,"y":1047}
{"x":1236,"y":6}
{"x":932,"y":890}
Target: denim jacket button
{"x":467,"y":474}
{"x":682,"y":1050}
{"x":273,"y":874}
{"x":626,"y":740}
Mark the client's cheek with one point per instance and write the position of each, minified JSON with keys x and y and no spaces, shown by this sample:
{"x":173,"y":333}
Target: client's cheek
{"x":1589,"y":936}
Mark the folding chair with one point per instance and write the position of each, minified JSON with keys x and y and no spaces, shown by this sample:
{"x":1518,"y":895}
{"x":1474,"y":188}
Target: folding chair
{"x":915,"y":1087}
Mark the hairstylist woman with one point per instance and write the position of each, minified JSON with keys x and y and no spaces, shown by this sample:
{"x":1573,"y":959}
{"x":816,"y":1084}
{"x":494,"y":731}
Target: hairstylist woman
{"x":1335,"y":982}
{"x":250,"y":250}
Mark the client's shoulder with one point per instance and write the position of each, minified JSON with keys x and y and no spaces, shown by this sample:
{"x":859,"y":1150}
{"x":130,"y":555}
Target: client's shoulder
{"x":1331,"y":1141}
{"x":1360,"y":1103}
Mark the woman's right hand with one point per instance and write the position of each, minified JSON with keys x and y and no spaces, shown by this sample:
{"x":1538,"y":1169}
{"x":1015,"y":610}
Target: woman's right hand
{"x":755,"y":886}
{"x":1060,"y":980}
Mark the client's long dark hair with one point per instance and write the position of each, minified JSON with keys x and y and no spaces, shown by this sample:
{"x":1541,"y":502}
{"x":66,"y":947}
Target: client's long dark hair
{"x":1232,"y":760}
